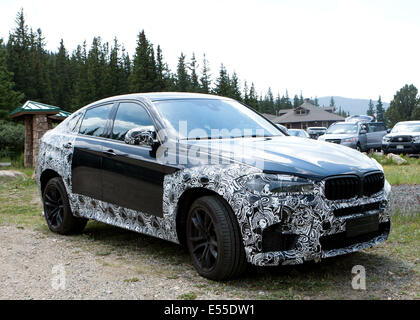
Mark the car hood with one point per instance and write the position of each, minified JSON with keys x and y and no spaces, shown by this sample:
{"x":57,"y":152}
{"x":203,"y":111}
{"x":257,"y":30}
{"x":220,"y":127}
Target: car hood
{"x":408,"y":133}
{"x":338,"y":136}
{"x":292,"y":155}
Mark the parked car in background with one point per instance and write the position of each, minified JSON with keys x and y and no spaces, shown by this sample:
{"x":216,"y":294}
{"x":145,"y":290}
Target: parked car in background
{"x":298,"y":133}
{"x":316,"y":132}
{"x":233,"y":189}
{"x":360,"y":118}
{"x":360,"y":135}
{"x":404,"y":138}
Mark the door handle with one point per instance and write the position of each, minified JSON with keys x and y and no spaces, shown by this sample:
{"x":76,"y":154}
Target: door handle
{"x":110,"y":152}
{"x":67,"y":145}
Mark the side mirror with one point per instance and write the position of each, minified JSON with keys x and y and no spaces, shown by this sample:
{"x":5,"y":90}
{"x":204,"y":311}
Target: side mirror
{"x":363,"y":131}
{"x":143,"y":136}
{"x":389,"y":130}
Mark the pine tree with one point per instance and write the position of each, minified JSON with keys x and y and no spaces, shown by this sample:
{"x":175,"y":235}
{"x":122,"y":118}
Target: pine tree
{"x":195,"y":86}
{"x":205,"y":79}
{"x":63,"y":85}
{"x":404,"y":105}
{"x":371,"y":110}
{"x":9,"y":98}
{"x":380,"y":111}
{"x":223,"y":86}
{"x":183,"y":79}
{"x":235,"y":88}
{"x":253,"y":98}
{"x":296,"y":101}
{"x":332,"y":102}
{"x":144,"y":77}
{"x":19,"y":60}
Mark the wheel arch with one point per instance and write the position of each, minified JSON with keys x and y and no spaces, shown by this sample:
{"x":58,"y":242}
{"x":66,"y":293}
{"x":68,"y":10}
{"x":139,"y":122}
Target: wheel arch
{"x":184,"y":203}
{"x":46,"y":176}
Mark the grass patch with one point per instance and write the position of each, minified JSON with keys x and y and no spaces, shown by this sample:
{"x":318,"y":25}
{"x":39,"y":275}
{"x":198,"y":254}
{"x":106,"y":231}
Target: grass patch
{"x":188,"y":296}
{"x":408,"y":173}
{"x":132,"y":280}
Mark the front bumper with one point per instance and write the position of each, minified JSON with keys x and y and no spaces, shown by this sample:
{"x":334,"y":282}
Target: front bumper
{"x":311,"y":228}
{"x":401,"y":148}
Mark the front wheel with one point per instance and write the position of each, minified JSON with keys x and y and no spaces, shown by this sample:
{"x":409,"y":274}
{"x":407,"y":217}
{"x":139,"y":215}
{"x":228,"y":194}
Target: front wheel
{"x":57,"y":209}
{"x":214,"y":240}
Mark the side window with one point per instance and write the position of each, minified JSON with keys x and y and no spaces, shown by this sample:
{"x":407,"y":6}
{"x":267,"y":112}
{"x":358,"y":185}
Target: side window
{"x":74,"y":121}
{"x":94,"y":122}
{"x":129,"y":115}
{"x":381,"y":127}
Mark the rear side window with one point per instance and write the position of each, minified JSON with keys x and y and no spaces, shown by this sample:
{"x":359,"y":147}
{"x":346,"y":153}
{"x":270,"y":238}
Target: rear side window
{"x":129,"y":116}
{"x":376,"y":127}
{"x":94,"y":122}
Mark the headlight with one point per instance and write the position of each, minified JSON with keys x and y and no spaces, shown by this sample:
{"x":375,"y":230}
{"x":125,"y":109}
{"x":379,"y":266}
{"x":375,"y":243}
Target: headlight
{"x":276,"y":183}
{"x":416,"y":139}
{"x":386,"y":140}
{"x":349,"y":140}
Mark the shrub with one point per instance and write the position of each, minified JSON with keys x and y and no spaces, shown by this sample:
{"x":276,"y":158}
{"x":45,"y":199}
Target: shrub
{"x":12,"y":136}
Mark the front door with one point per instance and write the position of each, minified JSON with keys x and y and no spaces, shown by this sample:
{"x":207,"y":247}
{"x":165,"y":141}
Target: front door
{"x":132,"y":178}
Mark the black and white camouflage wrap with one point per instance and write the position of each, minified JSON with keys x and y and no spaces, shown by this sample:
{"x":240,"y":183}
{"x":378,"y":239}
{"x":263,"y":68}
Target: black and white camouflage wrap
{"x":301,"y":214}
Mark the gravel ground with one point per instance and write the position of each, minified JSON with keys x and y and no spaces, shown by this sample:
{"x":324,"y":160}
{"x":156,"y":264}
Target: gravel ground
{"x":28,"y":258}
{"x":406,"y":199}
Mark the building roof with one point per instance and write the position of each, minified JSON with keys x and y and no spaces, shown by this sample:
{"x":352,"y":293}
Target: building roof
{"x":60,"y":116}
{"x":269,"y":116}
{"x":310,"y":113}
{"x":33,"y":107}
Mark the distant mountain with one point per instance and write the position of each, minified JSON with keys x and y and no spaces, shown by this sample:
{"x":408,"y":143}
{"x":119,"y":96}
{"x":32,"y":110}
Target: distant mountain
{"x":353,"y":106}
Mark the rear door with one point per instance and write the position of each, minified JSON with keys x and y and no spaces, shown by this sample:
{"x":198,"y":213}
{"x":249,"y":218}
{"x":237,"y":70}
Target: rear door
{"x":377,"y":130}
{"x":132,"y":177}
{"x":87,"y":155}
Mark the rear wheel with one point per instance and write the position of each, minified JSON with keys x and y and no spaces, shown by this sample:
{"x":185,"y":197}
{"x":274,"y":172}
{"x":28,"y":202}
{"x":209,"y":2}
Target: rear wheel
{"x":214,"y":240}
{"x":57,"y":209}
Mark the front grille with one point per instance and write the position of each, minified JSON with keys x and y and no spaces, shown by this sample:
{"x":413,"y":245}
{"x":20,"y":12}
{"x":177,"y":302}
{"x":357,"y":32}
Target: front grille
{"x":373,"y":183}
{"x":340,"y":240}
{"x":402,"y":139}
{"x":342,"y":188}
{"x":338,"y":141}
{"x":356,"y":210}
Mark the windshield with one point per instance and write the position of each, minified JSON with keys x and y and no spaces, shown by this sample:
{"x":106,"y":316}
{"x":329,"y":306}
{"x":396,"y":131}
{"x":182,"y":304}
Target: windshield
{"x":342,"y":128}
{"x":296,"y":133}
{"x":407,"y":127}
{"x":213,"y":119}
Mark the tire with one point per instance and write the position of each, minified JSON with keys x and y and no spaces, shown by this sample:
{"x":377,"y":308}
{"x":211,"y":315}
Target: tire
{"x":359,"y":148}
{"x":57,"y":209}
{"x":214,"y":240}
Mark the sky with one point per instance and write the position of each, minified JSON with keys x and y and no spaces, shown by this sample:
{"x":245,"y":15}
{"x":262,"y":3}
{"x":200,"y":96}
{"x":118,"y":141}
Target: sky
{"x":349,"y":48}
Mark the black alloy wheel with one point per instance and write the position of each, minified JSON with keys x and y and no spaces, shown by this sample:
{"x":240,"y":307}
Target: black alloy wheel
{"x":203,"y":239}
{"x":57,"y":209}
{"x":54,"y":207}
{"x":214,"y":239}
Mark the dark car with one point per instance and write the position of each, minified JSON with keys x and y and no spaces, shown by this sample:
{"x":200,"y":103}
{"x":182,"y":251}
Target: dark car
{"x":403,"y":139}
{"x":211,"y":174}
{"x":316,"y":132}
